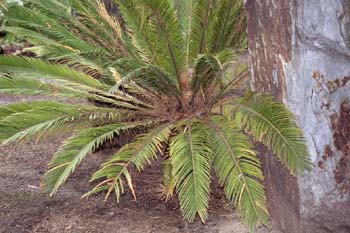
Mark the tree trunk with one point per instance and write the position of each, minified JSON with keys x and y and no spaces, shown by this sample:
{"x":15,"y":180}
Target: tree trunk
{"x":300,"y":52}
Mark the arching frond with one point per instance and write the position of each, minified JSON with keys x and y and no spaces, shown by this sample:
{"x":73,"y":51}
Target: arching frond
{"x":206,"y":67}
{"x":228,"y":25}
{"x":31,"y":86}
{"x":69,"y":53}
{"x":198,"y":17}
{"x":7,"y":110}
{"x":17,"y":117}
{"x":75,"y":148}
{"x":40,"y":68}
{"x":53,"y":41}
{"x":28,"y":120}
{"x":190,"y":157}
{"x":218,"y":74}
{"x":272,"y":124}
{"x":239,"y":171}
{"x":155,"y":79}
{"x":135,"y":19}
{"x":231,"y":64}
{"x":169,"y":183}
{"x":139,"y":153}
{"x":185,"y":13}
{"x":90,"y":31}
{"x":234,"y":81}
{"x":163,"y":31}
{"x":22,"y":84}
{"x":211,"y":26}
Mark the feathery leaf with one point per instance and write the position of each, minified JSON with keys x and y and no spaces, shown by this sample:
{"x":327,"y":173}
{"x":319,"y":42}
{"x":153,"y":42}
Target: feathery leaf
{"x":191,"y":161}
{"x":139,"y":153}
{"x":239,"y":171}
{"x":75,"y":148}
{"x":272,"y":124}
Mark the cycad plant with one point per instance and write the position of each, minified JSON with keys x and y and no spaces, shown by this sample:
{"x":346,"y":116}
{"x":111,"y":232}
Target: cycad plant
{"x":166,"y":77}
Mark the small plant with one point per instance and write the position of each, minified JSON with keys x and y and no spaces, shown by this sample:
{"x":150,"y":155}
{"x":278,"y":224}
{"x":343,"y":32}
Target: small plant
{"x":166,"y":75}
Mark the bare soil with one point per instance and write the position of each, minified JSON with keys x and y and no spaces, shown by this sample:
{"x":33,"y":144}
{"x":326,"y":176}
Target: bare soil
{"x":25,"y":208}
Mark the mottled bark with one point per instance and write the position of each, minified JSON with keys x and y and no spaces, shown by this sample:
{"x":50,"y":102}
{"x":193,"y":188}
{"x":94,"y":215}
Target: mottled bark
{"x":300,"y":52}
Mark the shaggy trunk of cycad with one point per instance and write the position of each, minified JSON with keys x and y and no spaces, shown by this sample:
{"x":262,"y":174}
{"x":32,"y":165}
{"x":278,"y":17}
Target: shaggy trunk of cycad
{"x":185,"y":84}
{"x":300,"y":51}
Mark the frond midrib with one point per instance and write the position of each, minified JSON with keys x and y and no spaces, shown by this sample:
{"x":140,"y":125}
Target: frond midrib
{"x":193,"y":162}
{"x":228,"y":147}
{"x":271,"y":124}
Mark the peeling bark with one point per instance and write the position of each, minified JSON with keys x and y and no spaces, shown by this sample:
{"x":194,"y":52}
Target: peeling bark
{"x":270,"y":42}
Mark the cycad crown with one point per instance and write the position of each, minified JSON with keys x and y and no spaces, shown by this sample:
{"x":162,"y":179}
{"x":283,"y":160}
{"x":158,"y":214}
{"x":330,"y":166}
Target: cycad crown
{"x":167,"y":74}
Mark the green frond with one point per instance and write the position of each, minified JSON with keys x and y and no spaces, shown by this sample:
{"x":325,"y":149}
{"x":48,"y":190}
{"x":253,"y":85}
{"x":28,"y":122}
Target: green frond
{"x":239,"y":171}
{"x":21,"y":84}
{"x":227,"y":27}
{"x":58,"y":80}
{"x":30,"y":35}
{"x":199,"y":16}
{"x":30,"y":86}
{"x":40,"y":68}
{"x":191,"y":161}
{"x":57,"y":34}
{"x":137,"y":32}
{"x":83,"y":33}
{"x":227,"y":55}
{"x":272,"y":124}
{"x":230,"y":84}
{"x":78,"y":60}
{"x":77,"y":147}
{"x":126,"y":65}
{"x":21,"y":116}
{"x":155,"y":79}
{"x":218,"y":73}
{"x":154,"y":33}
{"x":27,"y":120}
{"x":134,"y":92}
{"x":169,"y":183}
{"x":206,"y":69}
{"x":96,"y":20}
{"x":139,"y":153}
{"x":163,"y":31}
{"x":185,"y":14}
{"x":211,"y":26}
{"x":19,"y":108}
{"x":231,"y":68}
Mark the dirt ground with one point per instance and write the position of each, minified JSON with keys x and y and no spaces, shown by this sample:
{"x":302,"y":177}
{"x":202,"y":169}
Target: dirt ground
{"x":25,"y":208}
